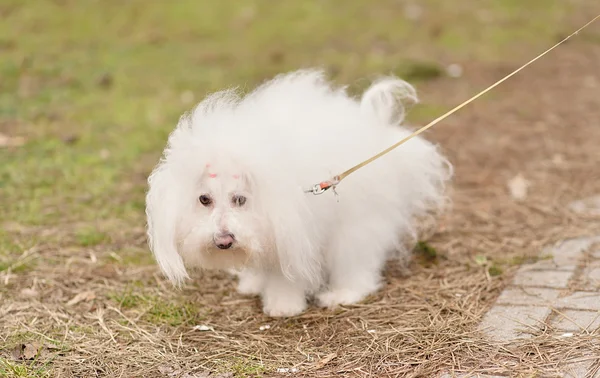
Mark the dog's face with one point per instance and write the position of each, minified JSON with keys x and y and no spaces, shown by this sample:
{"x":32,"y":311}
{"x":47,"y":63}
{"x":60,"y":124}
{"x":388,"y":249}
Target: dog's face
{"x":221,"y":226}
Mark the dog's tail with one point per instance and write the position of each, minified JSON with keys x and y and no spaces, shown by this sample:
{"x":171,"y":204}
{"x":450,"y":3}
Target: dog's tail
{"x":386,"y":99}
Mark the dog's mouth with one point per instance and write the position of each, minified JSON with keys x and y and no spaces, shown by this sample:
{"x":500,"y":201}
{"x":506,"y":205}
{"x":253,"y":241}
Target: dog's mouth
{"x":224,"y":241}
{"x":220,"y":258}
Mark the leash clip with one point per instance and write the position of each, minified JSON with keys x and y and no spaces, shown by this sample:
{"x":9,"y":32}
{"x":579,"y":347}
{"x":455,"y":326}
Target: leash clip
{"x":323,"y":186}
{"x":318,"y":189}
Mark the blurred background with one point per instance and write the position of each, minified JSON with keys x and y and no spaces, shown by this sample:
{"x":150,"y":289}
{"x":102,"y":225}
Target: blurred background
{"x":90,"y":89}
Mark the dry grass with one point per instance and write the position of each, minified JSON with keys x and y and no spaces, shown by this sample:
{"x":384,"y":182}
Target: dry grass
{"x":82,"y":297}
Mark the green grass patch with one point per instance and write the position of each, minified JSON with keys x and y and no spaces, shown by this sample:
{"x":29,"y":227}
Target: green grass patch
{"x":425,"y":249}
{"x":157,"y":310}
{"x":129,"y":299}
{"x":425,"y":254}
{"x":94,"y":92}
{"x":14,"y":369}
{"x":135,"y":257}
{"x":173,"y":314}
{"x":525,"y":259}
{"x":419,"y":71}
{"x":242,"y":367}
{"x":17,"y":266}
{"x":34,"y":353}
{"x":424,"y":113}
{"x":90,"y":237}
{"x":495,"y":270}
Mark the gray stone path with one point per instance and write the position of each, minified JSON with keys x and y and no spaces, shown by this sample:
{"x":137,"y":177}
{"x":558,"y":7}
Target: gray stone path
{"x":538,"y":289}
{"x":561,"y":289}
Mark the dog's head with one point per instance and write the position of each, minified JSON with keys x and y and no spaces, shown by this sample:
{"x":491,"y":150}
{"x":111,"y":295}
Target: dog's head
{"x":223,"y":225}
{"x":205,"y":214}
{"x":216,"y":201}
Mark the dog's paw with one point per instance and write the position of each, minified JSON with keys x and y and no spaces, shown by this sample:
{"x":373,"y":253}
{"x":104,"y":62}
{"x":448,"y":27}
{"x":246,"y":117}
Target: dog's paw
{"x":284,"y":307}
{"x":334,"y":298}
{"x":250,"y":284}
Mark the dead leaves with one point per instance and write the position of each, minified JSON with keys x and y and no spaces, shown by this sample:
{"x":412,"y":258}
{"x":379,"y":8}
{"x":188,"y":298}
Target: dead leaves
{"x":32,"y":351}
{"x":26,"y":351}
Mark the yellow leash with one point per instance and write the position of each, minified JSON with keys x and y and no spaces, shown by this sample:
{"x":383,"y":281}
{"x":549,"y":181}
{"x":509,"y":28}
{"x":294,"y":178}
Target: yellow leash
{"x":325,"y":185}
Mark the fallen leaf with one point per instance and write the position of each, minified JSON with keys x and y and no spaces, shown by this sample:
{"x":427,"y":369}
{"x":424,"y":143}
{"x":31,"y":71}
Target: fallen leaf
{"x":17,"y":352}
{"x":7,"y":141}
{"x":83,"y":296}
{"x":30,"y":351}
{"x":518,"y":187}
{"x":27,"y":351}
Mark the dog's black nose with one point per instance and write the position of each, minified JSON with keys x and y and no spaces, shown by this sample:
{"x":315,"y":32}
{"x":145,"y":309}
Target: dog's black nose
{"x":224,"y":246}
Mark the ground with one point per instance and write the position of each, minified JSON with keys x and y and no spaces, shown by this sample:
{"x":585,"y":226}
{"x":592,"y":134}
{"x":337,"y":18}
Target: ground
{"x":89,"y":91}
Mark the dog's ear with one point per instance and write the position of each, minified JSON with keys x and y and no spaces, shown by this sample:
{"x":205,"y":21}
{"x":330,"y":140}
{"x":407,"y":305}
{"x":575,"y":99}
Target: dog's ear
{"x":162,"y":204}
{"x":294,"y":229}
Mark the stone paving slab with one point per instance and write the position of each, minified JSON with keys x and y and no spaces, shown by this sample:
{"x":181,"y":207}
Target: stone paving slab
{"x":581,"y":370}
{"x":580,"y":300}
{"x":544,"y":278}
{"x":569,"y":252}
{"x":577,"y":321}
{"x":530,"y":296}
{"x":509,"y":322}
{"x":542,"y":294}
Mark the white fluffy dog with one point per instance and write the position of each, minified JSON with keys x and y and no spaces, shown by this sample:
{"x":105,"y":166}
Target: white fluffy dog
{"x":230,"y":190}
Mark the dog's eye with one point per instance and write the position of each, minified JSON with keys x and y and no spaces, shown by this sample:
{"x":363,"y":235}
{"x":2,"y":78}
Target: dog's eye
{"x":239,"y":200}
{"x":205,"y":200}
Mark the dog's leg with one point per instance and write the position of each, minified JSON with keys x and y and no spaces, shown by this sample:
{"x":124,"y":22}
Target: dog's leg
{"x":250,"y":282}
{"x":282,"y":297}
{"x":355,"y":260}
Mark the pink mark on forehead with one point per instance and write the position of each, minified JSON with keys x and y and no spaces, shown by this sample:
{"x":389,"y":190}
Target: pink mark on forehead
{"x":212,"y":175}
{"x":236,"y":176}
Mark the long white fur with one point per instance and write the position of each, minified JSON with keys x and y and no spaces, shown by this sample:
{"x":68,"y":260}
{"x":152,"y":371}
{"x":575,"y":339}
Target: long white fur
{"x":283,"y":137}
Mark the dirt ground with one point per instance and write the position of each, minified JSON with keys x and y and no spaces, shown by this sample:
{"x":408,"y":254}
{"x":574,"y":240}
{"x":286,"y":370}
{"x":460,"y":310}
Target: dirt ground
{"x":81,"y":297}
